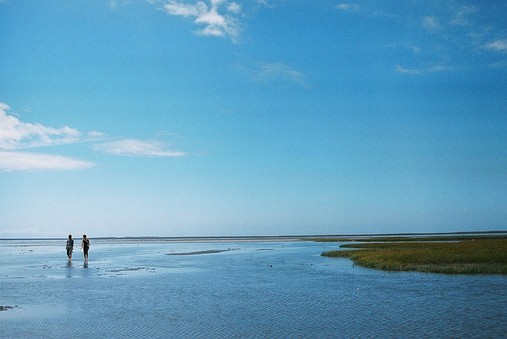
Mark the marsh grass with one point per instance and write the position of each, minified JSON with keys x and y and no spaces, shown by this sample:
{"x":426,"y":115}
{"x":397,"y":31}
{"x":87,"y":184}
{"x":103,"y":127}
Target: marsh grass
{"x":479,"y":256}
{"x":414,"y":238}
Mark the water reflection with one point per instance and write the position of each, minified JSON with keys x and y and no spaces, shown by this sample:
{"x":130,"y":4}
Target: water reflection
{"x":137,"y":290}
{"x":68,"y":272}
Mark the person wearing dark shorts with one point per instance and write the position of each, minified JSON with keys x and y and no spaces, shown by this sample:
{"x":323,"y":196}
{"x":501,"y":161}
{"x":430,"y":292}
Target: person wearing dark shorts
{"x":69,"y":246}
{"x":85,"y":245}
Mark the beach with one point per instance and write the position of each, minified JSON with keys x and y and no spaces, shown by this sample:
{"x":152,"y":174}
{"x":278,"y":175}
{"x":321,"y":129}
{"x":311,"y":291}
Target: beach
{"x":217,"y":288}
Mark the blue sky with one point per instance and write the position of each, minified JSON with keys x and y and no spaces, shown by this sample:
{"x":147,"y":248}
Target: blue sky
{"x":197,"y":118}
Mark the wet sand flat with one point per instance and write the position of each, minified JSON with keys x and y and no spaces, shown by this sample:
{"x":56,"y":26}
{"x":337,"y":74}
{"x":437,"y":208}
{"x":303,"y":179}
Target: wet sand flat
{"x":231,"y":288}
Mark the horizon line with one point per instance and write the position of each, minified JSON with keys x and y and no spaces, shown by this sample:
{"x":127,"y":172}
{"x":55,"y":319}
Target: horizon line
{"x":253,"y":237}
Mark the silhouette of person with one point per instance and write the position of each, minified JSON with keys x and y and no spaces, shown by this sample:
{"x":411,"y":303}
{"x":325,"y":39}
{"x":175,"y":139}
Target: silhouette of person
{"x":85,"y":245}
{"x":69,"y":246}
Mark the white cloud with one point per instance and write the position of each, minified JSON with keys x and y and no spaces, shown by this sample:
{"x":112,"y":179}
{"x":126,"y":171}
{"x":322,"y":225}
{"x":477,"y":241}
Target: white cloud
{"x":215,"y":23}
{"x":416,"y":49}
{"x":278,"y":71}
{"x":461,"y":17}
{"x":497,"y":45}
{"x":402,"y":70}
{"x":430,"y":69}
{"x":347,"y":6}
{"x":24,"y":161}
{"x":234,"y":7}
{"x":182,"y":9}
{"x":16,"y":134}
{"x":94,"y":135}
{"x":116,"y":3}
{"x":430,"y":23}
{"x":137,"y":148}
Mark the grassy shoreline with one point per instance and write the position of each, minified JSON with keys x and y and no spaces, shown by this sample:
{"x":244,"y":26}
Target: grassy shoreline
{"x":409,"y":238}
{"x":451,"y":255}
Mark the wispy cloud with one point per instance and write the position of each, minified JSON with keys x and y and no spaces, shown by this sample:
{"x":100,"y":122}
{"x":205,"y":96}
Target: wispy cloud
{"x":137,"y":148}
{"x":430,"y":69}
{"x":25,"y":161}
{"x":452,"y":25}
{"x":220,"y":18}
{"x":431,"y":23}
{"x":403,"y":70}
{"x":234,"y":7}
{"x":277,"y":71}
{"x":17,"y":136}
{"x":461,"y":17}
{"x":117,"y":3}
{"x":347,"y":6}
{"x":499,"y":45}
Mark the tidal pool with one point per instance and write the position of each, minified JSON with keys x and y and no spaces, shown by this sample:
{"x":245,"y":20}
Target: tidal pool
{"x":230,"y":288}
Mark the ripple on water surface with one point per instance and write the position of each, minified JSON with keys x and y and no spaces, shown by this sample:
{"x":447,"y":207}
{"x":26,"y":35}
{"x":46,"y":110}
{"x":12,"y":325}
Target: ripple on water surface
{"x":254,"y":289}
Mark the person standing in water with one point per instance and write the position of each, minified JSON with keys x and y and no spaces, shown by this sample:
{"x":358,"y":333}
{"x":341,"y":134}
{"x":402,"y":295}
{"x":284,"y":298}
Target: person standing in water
{"x":85,"y":245}
{"x":69,"y":246}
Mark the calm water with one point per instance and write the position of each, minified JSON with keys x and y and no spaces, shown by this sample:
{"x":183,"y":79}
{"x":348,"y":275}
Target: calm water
{"x":252,"y":289}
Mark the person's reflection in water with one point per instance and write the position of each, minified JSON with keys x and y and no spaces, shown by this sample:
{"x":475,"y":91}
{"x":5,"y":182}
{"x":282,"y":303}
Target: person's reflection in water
{"x":69,"y":269}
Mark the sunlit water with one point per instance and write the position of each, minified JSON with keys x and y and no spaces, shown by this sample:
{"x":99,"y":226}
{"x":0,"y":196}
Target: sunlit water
{"x":138,"y":288}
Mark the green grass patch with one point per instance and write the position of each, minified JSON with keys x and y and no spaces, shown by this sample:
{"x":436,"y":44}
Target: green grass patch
{"x":471,"y":256}
{"x":414,"y":238}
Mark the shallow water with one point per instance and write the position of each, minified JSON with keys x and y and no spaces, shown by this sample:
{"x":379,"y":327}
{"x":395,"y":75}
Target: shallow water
{"x":140,"y":288}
